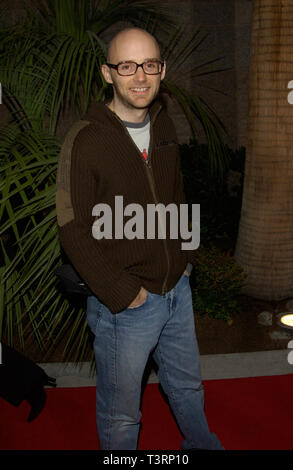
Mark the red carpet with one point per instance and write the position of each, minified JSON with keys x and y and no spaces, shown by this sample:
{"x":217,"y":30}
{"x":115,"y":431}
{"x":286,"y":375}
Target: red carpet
{"x":250,"y":414}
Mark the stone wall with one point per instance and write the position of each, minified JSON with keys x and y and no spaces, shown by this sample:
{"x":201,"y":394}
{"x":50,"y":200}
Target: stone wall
{"x":227,"y":24}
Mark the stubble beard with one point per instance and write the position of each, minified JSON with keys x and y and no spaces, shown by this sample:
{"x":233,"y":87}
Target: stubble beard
{"x":130,"y":104}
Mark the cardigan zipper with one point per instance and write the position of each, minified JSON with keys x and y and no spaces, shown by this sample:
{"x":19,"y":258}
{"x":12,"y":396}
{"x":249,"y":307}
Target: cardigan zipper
{"x":152,"y":185}
{"x":150,"y":176}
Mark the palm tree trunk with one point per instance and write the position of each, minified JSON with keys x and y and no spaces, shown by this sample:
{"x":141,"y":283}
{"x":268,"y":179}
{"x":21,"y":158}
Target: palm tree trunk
{"x":265,"y":241}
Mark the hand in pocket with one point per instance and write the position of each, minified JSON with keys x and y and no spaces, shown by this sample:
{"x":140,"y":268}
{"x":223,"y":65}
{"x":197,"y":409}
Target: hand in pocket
{"x":139,"y":299}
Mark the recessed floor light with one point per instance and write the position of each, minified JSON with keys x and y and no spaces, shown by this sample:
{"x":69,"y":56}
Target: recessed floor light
{"x":285,"y":320}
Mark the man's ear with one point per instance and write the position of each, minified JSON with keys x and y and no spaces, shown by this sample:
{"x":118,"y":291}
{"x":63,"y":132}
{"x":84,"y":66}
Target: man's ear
{"x":163,"y":73}
{"x":106,"y":73}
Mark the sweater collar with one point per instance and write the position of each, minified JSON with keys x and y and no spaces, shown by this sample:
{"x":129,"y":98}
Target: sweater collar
{"x":98,"y":111}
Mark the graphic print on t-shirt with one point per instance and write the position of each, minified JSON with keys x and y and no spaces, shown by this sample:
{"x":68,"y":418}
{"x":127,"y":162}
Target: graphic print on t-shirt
{"x":140,"y":133}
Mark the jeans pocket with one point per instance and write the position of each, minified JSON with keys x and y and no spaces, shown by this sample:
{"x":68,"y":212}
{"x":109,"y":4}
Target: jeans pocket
{"x":93,"y":313}
{"x":140,"y":305}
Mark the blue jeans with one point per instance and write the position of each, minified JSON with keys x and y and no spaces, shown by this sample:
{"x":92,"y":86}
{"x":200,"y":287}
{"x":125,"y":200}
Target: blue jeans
{"x":163,"y":326}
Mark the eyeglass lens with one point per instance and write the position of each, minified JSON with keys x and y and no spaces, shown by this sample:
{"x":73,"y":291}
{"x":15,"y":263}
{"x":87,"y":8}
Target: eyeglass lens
{"x":149,"y":67}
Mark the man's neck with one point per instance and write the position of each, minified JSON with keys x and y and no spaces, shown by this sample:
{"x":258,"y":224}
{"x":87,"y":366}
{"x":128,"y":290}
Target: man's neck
{"x":133,"y":115}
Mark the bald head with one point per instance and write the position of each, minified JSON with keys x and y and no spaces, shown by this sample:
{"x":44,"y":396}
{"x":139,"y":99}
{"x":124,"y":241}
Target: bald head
{"x":127,"y":43}
{"x":133,"y":93}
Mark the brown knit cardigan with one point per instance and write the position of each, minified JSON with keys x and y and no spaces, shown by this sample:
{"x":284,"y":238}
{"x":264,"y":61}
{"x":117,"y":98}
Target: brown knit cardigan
{"x":98,"y":161}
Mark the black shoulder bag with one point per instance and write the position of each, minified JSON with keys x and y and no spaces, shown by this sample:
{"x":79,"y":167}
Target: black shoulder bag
{"x":70,"y":281}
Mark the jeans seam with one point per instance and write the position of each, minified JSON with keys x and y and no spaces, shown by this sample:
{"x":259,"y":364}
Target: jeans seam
{"x":177,"y":410}
{"x":114,"y":395}
{"x":169,"y":392}
{"x":98,"y":321}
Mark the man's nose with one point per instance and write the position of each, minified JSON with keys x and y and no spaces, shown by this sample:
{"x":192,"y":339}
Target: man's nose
{"x":140,"y":74}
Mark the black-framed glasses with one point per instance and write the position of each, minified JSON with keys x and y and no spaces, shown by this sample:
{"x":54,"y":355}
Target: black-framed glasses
{"x":150,"y":67}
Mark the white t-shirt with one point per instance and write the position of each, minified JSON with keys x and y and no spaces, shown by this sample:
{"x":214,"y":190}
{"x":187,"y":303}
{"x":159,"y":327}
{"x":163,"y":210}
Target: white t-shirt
{"x":140,"y":133}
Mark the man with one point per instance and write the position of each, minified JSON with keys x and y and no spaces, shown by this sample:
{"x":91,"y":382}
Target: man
{"x":141,"y":302}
